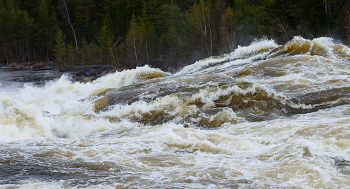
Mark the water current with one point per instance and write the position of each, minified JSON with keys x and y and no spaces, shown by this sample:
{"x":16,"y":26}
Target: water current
{"x":263,"y":116}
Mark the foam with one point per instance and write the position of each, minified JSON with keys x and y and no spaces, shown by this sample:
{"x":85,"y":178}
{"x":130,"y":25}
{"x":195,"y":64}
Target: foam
{"x":60,"y":108}
{"x":55,"y":129}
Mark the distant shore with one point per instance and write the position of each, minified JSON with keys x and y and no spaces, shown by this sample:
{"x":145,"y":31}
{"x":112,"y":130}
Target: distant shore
{"x":39,"y":73}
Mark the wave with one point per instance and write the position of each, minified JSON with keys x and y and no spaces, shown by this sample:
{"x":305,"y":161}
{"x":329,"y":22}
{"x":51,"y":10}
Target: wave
{"x":263,"y":81}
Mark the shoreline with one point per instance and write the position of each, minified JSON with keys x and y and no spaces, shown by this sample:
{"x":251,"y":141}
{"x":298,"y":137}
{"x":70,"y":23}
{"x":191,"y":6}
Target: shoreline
{"x":39,"y":73}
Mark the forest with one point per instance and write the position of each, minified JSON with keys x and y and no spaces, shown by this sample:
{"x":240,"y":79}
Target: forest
{"x":160,"y":33}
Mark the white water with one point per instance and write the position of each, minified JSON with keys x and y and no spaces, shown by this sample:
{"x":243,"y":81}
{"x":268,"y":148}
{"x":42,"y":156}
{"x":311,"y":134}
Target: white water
{"x":52,"y":137}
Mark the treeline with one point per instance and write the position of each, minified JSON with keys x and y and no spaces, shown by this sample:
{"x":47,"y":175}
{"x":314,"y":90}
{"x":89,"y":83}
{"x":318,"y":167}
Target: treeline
{"x":162,"y":33}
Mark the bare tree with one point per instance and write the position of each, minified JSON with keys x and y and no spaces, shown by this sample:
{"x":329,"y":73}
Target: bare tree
{"x":67,"y":16}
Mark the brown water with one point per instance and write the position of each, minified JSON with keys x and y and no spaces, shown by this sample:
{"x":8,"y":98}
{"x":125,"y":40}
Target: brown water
{"x":263,"y":116}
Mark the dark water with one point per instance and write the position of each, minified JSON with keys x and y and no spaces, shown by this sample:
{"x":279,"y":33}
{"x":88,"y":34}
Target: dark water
{"x":263,"y":116}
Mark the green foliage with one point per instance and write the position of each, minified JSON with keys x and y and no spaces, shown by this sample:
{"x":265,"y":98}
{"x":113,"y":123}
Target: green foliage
{"x":90,"y":53}
{"x":206,"y":17}
{"x":140,"y":40}
{"x":227,"y":31}
{"x":60,"y":51}
{"x":71,"y":56}
{"x":84,"y":15}
{"x":132,"y":42}
{"x":254,"y":20}
{"x":46,"y":25}
{"x":16,"y":26}
{"x":172,"y":38}
{"x":158,"y":32}
{"x":147,"y":38}
{"x":106,"y":43}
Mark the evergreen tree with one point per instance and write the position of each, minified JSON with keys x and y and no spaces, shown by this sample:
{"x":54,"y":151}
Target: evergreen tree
{"x":91,"y":53}
{"x":60,"y":51}
{"x":227,"y":31}
{"x":177,"y":36}
{"x":147,"y":39}
{"x":132,"y":43}
{"x":254,"y":20}
{"x":15,"y":29}
{"x":156,"y":31}
{"x":106,"y":41}
{"x":84,"y":14}
{"x":46,"y":28}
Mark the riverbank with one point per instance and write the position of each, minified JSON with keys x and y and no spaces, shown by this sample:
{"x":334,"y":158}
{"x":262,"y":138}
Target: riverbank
{"x":39,"y":73}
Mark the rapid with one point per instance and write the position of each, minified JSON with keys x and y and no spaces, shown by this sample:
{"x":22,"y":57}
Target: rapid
{"x":263,"y":116}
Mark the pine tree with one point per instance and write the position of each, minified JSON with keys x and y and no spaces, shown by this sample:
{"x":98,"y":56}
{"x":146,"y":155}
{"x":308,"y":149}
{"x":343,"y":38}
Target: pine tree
{"x":132,"y":42}
{"x":15,"y":30}
{"x":147,"y":39}
{"x":157,"y":30}
{"x":60,"y":51}
{"x":106,"y":43}
{"x":227,"y":31}
{"x":174,"y":37}
{"x":46,"y":27}
{"x":83,"y":14}
{"x":254,"y":20}
{"x":91,"y":53}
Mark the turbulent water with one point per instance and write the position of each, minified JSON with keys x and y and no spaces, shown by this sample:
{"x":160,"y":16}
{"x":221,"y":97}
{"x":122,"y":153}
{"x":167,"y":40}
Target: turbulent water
{"x":263,"y":116}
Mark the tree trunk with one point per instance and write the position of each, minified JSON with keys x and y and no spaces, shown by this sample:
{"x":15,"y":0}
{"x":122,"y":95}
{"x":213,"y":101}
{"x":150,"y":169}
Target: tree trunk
{"x":71,"y":26}
{"x":7,"y":57}
{"x":135,"y":51}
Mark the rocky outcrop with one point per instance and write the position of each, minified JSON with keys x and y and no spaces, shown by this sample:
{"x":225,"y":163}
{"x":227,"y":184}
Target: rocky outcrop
{"x":39,"y":73}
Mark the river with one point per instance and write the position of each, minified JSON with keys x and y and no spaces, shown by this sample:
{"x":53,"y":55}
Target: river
{"x":263,"y":116}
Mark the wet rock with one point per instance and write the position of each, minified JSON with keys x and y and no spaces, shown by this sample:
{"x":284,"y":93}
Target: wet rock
{"x":82,"y":73}
{"x":50,"y":63}
{"x":38,"y":66}
{"x":40,"y":73}
{"x":342,"y":165}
